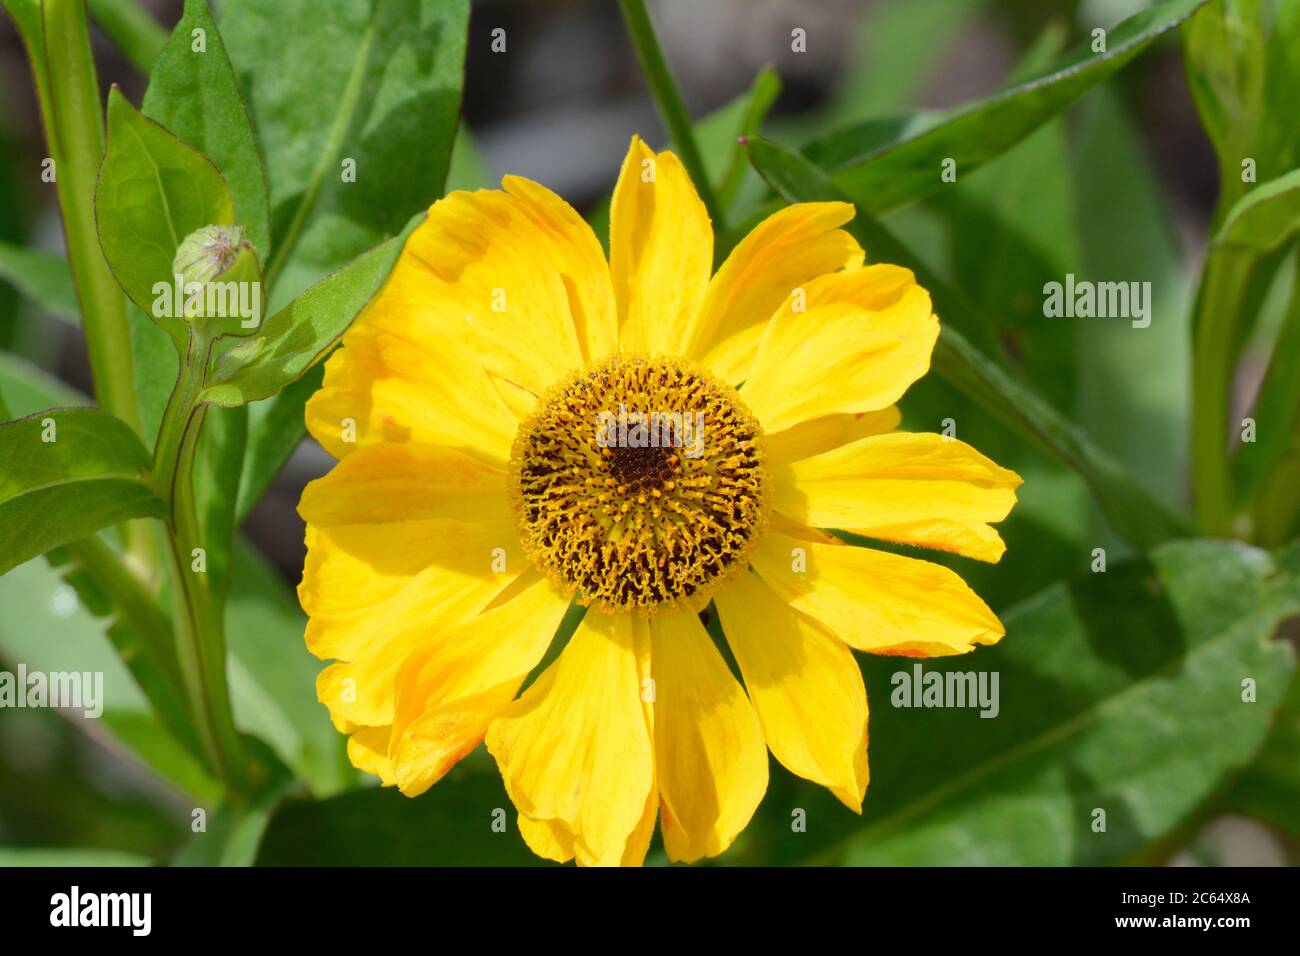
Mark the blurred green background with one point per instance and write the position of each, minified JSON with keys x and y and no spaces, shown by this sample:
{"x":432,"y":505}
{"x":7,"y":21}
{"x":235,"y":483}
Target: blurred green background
{"x":1112,"y":686}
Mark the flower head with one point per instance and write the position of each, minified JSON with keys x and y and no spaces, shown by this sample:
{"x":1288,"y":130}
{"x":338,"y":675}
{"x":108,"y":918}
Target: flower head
{"x":207,"y":252}
{"x":521,"y":425}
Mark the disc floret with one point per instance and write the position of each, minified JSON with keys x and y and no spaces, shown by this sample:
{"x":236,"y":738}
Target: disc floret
{"x":640,"y":484}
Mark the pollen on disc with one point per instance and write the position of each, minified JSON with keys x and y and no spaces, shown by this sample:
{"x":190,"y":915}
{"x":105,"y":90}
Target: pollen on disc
{"x":640,"y":485}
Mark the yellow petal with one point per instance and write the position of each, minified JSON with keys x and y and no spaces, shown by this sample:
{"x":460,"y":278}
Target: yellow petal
{"x":830,"y":431}
{"x":638,"y":844}
{"x":805,"y":685}
{"x":552,"y":840}
{"x":660,"y":250}
{"x":781,"y":254}
{"x":576,"y":748}
{"x":352,"y":572}
{"x":384,"y":387}
{"x":878,"y":602}
{"x":368,"y":752}
{"x":361,"y":685}
{"x":518,"y":399}
{"x":462,"y":677}
{"x":386,"y":483}
{"x":490,"y":267}
{"x":549,"y":839}
{"x":850,"y":794}
{"x":920,"y":489}
{"x":576,"y":255}
{"x":710,"y":759}
{"x":863,"y":338}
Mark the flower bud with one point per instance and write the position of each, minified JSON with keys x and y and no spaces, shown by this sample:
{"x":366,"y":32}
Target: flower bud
{"x":206,"y":253}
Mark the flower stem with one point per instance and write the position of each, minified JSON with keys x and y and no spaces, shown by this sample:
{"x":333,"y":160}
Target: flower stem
{"x":200,"y":638}
{"x":669,"y":100}
{"x":68,"y":89}
{"x":1214,"y":351}
{"x":76,"y":140}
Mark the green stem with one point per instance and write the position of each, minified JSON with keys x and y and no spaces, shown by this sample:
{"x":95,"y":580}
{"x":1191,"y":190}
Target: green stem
{"x":68,"y":89}
{"x":762,"y":94}
{"x":76,"y":140}
{"x":145,"y":644}
{"x":200,"y":641}
{"x":1214,"y":351}
{"x":669,"y":100}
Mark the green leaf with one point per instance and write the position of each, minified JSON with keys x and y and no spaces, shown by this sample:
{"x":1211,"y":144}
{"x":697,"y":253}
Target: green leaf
{"x":1133,"y":511}
{"x":1265,"y":217}
{"x":1137,"y":377}
{"x":271,"y":673}
{"x":276,"y":426}
{"x":37,"y":607}
{"x":1224,"y":53}
{"x":1011,"y":230}
{"x":300,"y":335}
{"x":1248,"y":243}
{"x":1121,"y":691}
{"x":194,"y":94}
{"x":1240,"y":59}
{"x":739,"y":119}
{"x":63,"y":445}
{"x":389,"y":76}
{"x":885,"y":164}
{"x":153,"y":191}
{"x":155,"y":363}
{"x":217,"y":475}
{"x":374,"y":86}
{"x":234,"y":832}
{"x":1277,"y":502}
{"x":46,"y":518}
{"x":1270,"y":788}
{"x":1276,"y":145}
{"x":380,"y":827}
{"x":65,"y":474}
{"x":42,"y":277}
{"x":103,"y":582}
{"x":269,"y":369}
{"x":1268,"y":469}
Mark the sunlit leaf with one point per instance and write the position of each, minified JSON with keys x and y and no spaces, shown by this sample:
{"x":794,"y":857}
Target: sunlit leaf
{"x":153,"y":191}
{"x":1121,"y":692}
{"x":193,"y":93}
{"x":65,"y":474}
{"x":883,"y":164}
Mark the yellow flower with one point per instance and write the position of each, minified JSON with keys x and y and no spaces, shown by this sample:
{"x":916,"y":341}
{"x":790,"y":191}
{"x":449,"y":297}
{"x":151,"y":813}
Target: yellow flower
{"x":493,"y":468}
